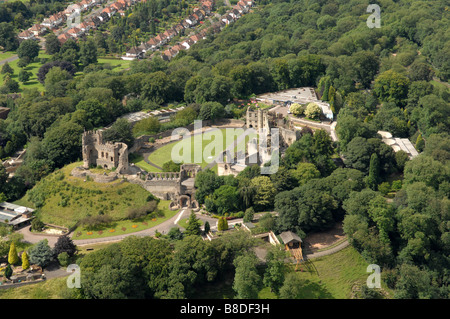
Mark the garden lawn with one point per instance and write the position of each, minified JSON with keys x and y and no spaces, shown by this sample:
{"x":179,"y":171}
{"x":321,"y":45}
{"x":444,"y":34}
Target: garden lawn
{"x":65,"y":199}
{"x":335,"y":276}
{"x":6,"y":55}
{"x":55,"y":288}
{"x":184,"y":222}
{"x":208,"y":151}
{"x":138,"y":160}
{"x":116,"y":64}
{"x":126,"y":226}
{"x":33,"y":68}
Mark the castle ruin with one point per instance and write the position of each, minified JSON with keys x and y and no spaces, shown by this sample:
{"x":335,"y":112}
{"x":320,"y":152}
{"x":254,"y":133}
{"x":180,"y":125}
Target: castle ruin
{"x":260,"y":119}
{"x":97,"y":152}
{"x":175,"y":186}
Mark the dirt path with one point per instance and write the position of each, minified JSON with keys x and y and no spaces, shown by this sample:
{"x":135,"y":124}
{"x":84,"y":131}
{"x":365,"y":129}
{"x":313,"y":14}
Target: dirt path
{"x":317,"y":241}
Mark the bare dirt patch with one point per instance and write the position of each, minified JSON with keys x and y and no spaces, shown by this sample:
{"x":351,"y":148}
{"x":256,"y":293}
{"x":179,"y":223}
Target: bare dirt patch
{"x":317,"y":241}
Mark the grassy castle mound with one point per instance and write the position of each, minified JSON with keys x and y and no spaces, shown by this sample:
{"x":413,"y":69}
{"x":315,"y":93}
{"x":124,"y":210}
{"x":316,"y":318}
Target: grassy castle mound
{"x":64,"y":200}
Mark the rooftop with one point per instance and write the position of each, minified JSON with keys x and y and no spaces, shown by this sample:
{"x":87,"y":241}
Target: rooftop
{"x":289,"y":236}
{"x":399,"y":144}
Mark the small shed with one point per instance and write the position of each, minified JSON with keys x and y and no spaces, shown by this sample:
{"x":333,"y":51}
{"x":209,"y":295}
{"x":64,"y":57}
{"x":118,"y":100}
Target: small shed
{"x":290,"y":239}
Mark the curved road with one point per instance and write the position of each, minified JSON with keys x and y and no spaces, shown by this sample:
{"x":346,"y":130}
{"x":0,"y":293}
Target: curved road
{"x":10,"y":59}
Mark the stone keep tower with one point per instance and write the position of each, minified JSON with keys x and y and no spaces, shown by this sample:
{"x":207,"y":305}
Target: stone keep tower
{"x":257,"y":119}
{"x":107,"y":155}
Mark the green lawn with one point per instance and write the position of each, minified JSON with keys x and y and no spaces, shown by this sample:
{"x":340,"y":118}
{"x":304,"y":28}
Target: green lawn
{"x":138,"y":160}
{"x":183,"y":222}
{"x":6,"y":55}
{"x":208,"y":150}
{"x":55,"y":288}
{"x":333,"y":276}
{"x":33,"y":68}
{"x":116,"y":64}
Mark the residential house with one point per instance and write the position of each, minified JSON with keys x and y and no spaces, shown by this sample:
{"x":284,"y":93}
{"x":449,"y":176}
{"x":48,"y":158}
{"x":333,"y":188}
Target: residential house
{"x":110,"y":11}
{"x":207,"y":6}
{"x":177,"y":48}
{"x":235,"y":14}
{"x":85,"y":4}
{"x":227,"y":19}
{"x":185,"y":24}
{"x":144,"y":47}
{"x":91,"y":24}
{"x":38,"y":29}
{"x":153,"y":44}
{"x":132,"y":54}
{"x":117,"y":6}
{"x":84,"y":26}
{"x":196,"y":17}
{"x":169,"y":34}
{"x":75,"y":32}
{"x":96,"y":21}
{"x":178,"y":28}
{"x":103,"y":17}
{"x":169,"y":54}
{"x":63,"y":38}
{"x":191,"y":20}
{"x":54,"y":20}
{"x":26,"y":35}
{"x":187,"y":43}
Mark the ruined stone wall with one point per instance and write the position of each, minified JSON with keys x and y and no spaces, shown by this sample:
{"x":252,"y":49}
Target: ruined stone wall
{"x":107,"y":155}
{"x":288,"y":136}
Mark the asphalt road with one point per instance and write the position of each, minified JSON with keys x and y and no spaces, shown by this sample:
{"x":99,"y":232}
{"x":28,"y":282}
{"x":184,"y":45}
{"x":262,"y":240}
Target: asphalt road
{"x":10,"y":59}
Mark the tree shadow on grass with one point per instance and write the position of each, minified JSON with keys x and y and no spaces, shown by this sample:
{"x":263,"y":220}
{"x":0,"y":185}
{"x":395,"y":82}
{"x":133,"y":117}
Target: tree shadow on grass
{"x":315,"y":290}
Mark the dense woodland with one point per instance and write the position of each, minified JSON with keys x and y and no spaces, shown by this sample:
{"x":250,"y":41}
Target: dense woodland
{"x":395,"y":78}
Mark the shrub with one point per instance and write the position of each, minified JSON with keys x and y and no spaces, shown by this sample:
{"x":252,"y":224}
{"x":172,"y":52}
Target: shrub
{"x":143,"y":211}
{"x":93,"y":222}
{"x":384,"y":188}
{"x":37,"y":224}
{"x":249,"y":214}
{"x":64,"y":259}
{"x":396,"y":185}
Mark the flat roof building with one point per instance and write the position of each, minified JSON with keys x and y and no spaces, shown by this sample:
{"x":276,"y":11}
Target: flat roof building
{"x":15,"y":215}
{"x":399,"y":144}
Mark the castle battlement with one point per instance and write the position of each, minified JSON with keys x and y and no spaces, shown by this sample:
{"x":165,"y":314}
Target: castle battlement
{"x":108,"y":155}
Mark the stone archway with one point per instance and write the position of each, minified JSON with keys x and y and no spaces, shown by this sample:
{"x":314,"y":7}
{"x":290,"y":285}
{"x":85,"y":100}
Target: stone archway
{"x":184,"y":201}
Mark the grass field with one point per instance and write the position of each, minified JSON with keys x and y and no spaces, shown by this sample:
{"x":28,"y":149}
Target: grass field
{"x":183,"y":222}
{"x":6,"y":55}
{"x":209,"y":151}
{"x":116,"y":64}
{"x":138,"y":160}
{"x":32,"y":67}
{"x":66,"y":199}
{"x":50,"y":289}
